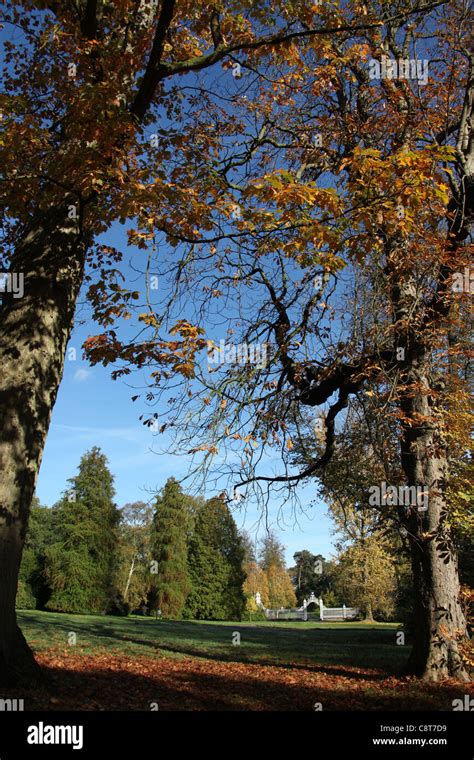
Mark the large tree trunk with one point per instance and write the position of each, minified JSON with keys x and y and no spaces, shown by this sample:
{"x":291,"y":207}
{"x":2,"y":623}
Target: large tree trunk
{"x":439,"y":623}
{"x":34,"y":331}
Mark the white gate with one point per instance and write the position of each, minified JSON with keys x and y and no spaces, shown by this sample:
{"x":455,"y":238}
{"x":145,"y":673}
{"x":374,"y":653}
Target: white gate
{"x":301,"y":613}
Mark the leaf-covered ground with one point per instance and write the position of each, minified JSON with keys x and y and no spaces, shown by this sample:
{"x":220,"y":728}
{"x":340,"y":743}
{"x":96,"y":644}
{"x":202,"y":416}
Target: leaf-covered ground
{"x":136,"y":664}
{"x":117,"y":682}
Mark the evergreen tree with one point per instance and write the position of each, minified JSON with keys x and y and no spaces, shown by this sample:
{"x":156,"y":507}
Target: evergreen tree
{"x":249,"y":548}
{"x":170,"y":583}
{"x":81,"y":565}
{"x":215,"y":562}
{"x":33,"y":589}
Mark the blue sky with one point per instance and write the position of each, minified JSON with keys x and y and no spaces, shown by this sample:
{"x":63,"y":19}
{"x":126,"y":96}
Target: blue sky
{"x":94,"y":410}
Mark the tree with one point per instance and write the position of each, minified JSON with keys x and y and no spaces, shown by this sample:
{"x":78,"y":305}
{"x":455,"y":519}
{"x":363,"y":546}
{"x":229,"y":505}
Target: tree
{"x":34,"y":587}
{"x":366,"y":578}
{"x":256,"y":581}
{"x":382,"y":196}
{"x":280,"y":589}
{"x":370,"y":560}
{"x":365,"y":453}
{"x":308,"y":575}
{"x":215,"y":565}
{"x":255,"y":578}
{"x":114,"y":70}
{"x":249,"y":548}
{"x":272,"y":552}
{"x":81,"y":564}
{"x":133,"y":578}
{"x":75,"y":118}
{"x":169,"y":581}
{"x":272,"y":562}
{"x":328,"y":586}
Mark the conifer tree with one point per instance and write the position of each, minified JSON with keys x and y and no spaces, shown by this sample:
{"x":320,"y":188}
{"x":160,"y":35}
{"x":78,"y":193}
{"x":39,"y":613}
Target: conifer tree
{"x":33,"y":589}
{"x":170,"y":582}
{"x":215,"y":561}
{"x":81,"y":564}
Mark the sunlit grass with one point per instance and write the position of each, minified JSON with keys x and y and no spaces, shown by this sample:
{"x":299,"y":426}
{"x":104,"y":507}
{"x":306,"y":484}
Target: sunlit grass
{"x":368,"y":645}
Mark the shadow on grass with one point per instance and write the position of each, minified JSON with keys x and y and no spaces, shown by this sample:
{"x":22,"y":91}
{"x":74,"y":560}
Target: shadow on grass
{"x":190,"y":686}
{"x":289,"y":648}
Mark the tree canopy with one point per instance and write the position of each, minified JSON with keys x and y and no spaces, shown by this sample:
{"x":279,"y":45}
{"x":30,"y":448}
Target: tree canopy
{"x":307,"y":207}
{"x":81,"y":564}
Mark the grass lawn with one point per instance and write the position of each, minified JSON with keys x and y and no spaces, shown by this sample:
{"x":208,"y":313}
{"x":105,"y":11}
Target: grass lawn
{"x":130,"y":663}
{"x":359,"y":644}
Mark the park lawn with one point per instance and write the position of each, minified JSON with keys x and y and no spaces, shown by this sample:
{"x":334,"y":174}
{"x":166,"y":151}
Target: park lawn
{"x":365,"y":644}
{"x":133,"y":663}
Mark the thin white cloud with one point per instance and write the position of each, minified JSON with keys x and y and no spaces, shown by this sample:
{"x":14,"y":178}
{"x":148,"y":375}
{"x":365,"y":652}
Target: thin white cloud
{"x":77,"y":432}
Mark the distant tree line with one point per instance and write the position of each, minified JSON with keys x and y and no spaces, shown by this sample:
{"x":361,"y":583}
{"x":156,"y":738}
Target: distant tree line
{"x":181,"y":557}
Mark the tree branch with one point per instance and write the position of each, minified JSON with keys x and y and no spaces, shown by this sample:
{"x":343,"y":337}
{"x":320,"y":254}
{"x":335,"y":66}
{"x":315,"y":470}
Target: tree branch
{"x":322,"y":460}
{"x":157,"y":70}
{"x":345,"y":379}
{"x":153,"y":70}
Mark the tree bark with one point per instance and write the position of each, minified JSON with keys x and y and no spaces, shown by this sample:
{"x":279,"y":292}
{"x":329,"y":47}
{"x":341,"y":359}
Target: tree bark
{"x":34,"y":331}
{"x":439,"y":622}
